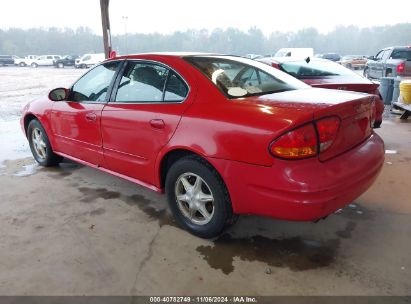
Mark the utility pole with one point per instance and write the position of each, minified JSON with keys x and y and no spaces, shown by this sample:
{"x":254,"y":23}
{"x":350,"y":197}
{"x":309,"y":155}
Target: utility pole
{"x":105,"y":22}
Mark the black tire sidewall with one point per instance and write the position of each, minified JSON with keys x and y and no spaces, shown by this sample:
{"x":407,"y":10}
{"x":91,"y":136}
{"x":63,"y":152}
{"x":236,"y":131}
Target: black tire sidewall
{"x":221,"y":200}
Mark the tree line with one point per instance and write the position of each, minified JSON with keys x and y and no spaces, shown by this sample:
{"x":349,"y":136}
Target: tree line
{"x":342,"y":40}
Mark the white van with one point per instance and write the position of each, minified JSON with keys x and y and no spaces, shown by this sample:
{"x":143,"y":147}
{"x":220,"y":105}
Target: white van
{"x":295,"y":52}
{"x":88,"y":60}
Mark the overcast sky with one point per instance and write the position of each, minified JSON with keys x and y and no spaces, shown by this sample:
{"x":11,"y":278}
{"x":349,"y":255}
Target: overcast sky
{"x":167,"y":16}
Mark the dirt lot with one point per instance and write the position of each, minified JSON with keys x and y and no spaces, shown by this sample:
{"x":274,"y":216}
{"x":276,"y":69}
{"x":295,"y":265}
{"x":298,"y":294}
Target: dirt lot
{"x":72,"y":230}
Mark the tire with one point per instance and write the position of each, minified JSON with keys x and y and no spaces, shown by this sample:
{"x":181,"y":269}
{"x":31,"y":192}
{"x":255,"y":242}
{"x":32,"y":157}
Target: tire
{"x":60,"y":65}
{"x":349,"y":66}
{"x":40,"y":145}
{"x":34,"y":65}
{"x":186,"y":180}
{"x":22,"y":64}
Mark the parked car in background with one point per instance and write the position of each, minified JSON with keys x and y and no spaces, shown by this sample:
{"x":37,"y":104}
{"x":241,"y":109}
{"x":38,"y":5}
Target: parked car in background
{"x":295,"y":52}
{"x":322,"y":73}
{"x":68,"y":60}
{"x":353,"y":61}
{"x":253,"y":56}
{"x":45,"y":60}
{"x":391,"y":61}
{"x":7,"y":60}
{"x":26,"y":61}
{"x":221,"y":135}
{"x":329,"y":56}
{"x":88,"y":60}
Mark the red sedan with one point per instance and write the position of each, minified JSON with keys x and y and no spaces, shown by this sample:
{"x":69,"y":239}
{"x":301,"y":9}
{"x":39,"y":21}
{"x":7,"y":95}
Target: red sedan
{"x":320,"y":73}
{"x":221,"y":135}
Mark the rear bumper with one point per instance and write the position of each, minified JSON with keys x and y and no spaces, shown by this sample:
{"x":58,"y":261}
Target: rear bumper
{"x":302,"y":190}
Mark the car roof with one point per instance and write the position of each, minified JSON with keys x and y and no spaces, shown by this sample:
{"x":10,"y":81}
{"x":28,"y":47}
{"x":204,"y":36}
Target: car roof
{"x":174,"y":54}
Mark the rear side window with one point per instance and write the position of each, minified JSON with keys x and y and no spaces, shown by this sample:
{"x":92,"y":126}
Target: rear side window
{"x":242,"y":77}
{"x":147,"y":83}
{"x":176,"y":89}
{"x":401,"y":54}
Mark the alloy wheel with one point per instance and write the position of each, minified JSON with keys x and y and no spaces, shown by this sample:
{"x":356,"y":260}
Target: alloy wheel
{"x":39,"y":144}
{"x":194,"y":198}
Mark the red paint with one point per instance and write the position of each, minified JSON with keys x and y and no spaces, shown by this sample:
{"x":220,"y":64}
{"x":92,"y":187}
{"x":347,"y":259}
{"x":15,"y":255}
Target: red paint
{"x":131,"y":141}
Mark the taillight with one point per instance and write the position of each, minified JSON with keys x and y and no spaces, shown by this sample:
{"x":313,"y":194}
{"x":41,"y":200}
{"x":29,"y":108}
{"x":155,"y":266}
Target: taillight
{"x":298,"y":143}
{"x":327,"y":131}
{"x":306,"y":141}
{"x":401,"y":68}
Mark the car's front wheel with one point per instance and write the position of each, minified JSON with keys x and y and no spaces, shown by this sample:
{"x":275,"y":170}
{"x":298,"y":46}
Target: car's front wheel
{"x":198,"y":197}
{"x":34,"y":65}
{"x":60,"y":65}
{"x":40,"y":145}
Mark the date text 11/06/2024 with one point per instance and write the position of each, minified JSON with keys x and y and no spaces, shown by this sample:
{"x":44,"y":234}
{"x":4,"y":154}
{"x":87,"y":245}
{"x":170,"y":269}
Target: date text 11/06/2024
{"x":203,"y":299}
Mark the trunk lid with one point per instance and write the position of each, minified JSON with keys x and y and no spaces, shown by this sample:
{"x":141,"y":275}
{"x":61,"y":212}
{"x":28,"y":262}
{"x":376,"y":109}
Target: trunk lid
{"x":355,"y":110}
{"x":355,"y":84}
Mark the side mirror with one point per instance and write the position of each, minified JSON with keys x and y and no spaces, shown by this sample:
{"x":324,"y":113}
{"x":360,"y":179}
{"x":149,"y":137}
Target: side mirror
{"x":58,"y":94}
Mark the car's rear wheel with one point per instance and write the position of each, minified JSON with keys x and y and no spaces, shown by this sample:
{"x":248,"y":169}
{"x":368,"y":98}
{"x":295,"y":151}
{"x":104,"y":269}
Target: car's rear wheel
{"x":60,"y":65}
{"x":22,"y":64}
{"x":34,"y":65}
{"x":198,"y":197}
{"x":40,"y":145}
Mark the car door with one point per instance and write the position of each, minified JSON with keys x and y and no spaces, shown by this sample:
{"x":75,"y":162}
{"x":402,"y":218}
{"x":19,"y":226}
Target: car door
{"x":141,"y":117}
{"x":76,"y":121}
{"x":378,"y":67}
{"x":40,"y":60}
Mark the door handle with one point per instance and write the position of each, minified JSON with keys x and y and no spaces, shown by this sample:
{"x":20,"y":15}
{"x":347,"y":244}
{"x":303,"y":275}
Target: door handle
{"x":91,"y":116}
{"x":157,"y":123}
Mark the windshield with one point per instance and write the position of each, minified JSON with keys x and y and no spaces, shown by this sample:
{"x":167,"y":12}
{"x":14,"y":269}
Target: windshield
{"x":315,"y":68}
{"x":241,"y":77}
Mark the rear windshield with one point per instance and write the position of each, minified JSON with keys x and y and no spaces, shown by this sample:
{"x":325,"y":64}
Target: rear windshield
{"x":401,"y":54}
{"x":302,"y":69}
{"x":241,"y":77}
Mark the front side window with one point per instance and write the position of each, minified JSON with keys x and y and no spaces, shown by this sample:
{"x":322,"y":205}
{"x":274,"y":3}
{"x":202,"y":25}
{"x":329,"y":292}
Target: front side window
{"x":93,"y":86}
{"x":386,"y":54}
{"x":241,"y":77}
{"x":147,"y":82}
{"x":379,"y":55}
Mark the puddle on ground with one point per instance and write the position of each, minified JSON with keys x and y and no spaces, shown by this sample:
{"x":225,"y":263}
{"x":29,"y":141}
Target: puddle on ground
{"x":64,"y":169}
{"x":91,"y":194}
{"x":346,"y":233}
{"x":27,"y":170}
{"x":144,"y":204}
{"x":296,"y":253}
